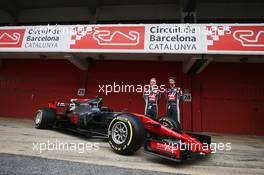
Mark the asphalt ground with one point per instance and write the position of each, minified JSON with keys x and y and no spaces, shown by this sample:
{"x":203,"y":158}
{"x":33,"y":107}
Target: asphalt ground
{"x":28,"y":165}
{"x":21,"y":153}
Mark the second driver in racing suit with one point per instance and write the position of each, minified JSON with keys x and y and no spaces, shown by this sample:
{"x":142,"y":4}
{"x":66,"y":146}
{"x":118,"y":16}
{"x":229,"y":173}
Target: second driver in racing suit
{"x":151,"y":97}
{"x":173,"y":96}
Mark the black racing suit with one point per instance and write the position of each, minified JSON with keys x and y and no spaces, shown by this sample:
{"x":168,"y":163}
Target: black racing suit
{"x":173,"y":97}
{"x":151,"y":97}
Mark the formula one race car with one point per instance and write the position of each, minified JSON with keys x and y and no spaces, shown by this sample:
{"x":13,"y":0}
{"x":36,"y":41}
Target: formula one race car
{"x":126,"y":132}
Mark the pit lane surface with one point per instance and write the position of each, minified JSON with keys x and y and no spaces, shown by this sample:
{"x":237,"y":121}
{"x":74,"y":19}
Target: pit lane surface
{"x":28,"y":165}
{"x":17,"y":138}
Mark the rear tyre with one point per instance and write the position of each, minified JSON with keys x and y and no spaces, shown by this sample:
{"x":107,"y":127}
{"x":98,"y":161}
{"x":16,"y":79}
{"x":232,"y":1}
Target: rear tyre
{"x":126,"y":134}
{"x":45,"y":118}
{"x":170,"y":123}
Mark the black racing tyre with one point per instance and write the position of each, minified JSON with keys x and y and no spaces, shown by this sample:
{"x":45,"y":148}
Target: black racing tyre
{"x":170,"y":123}
{"x":45,"y":118}
{"x":126,"y":134}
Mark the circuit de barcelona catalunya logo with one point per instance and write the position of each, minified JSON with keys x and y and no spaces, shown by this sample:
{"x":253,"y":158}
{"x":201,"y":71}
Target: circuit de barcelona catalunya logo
{"x":11,"y":38}
{"x":240,"y":38}
{"x":108,"y":37}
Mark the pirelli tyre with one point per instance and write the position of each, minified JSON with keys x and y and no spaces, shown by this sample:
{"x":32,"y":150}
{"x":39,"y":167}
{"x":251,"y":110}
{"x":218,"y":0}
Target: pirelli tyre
{"x":126,"y":134}
{"x":170,"y":123}
{"x":45,"y":118}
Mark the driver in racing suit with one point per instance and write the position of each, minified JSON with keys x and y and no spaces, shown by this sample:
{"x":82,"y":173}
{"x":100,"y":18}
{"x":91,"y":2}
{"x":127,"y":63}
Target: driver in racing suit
{"x":173,"y":96}
{"x":151,"y":97}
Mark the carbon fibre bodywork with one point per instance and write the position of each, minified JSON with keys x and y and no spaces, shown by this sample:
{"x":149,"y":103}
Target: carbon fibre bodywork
{"x":89,"y":117}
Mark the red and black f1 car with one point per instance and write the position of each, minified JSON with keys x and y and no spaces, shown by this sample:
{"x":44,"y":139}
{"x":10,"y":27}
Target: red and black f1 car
{"x":126,"y":132}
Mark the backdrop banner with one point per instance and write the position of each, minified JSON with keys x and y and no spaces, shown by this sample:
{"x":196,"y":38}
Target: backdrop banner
{"x":136,"y":38}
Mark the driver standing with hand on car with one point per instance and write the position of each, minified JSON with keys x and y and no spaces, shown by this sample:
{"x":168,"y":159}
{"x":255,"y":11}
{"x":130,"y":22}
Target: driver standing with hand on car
{"x":151,"y":97}
{"x":173,"y":96}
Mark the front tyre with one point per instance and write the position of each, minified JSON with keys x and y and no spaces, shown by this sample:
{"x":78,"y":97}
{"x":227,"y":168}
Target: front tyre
{"x":45,"y":118}
{"x":126,"y":134}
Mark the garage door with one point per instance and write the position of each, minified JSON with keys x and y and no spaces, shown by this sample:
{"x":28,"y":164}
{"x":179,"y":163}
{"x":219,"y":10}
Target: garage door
{"x":232,"y":98}
{"x":26,"y":85}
